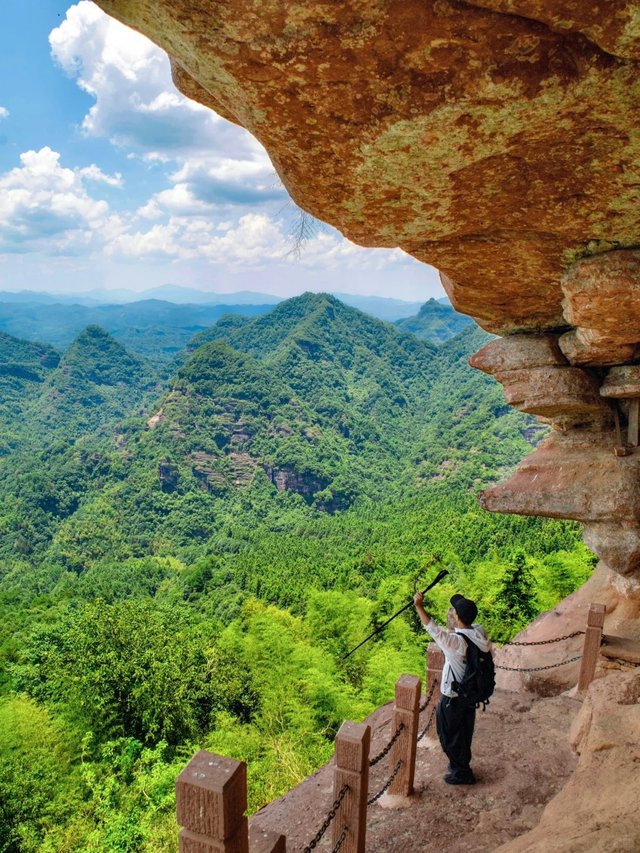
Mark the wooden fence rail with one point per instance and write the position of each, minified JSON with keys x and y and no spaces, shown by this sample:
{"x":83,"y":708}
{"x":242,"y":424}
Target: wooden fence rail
{"x":211,"y":792}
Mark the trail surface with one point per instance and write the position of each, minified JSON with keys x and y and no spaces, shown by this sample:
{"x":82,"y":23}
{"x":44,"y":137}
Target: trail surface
{"x":521,"y":760}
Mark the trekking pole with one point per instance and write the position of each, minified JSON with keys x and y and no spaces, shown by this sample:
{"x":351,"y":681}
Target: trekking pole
{"x":436,"y":580}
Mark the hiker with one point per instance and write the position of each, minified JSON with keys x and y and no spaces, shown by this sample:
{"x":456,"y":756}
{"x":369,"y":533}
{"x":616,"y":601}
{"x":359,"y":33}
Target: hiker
{"x":455,"y":718}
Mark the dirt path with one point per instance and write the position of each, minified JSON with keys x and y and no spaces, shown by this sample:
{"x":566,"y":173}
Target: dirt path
{"x":521,"y":760}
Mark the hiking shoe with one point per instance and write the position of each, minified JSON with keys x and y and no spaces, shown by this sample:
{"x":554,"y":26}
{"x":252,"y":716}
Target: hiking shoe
{"x":465,"y":779}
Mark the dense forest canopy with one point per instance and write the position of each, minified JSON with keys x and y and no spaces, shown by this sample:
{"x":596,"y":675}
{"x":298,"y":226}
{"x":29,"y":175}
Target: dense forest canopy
{"x":187,"y":552}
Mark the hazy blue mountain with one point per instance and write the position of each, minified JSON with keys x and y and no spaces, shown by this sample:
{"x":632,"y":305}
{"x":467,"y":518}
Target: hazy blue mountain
{"x":380,"y":306}
{"x":154,"y":328}
{"x":436,"y":321}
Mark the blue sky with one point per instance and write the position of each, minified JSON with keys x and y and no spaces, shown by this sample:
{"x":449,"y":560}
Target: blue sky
{"x":110,"y":178}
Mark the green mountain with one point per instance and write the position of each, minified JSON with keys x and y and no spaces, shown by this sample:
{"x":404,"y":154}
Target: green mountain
{"x":95,"y":383}
{"x":24,"y":367}
{"x":188,"y":562}
{"x":436,"y":322}
{"x":341,"y":360}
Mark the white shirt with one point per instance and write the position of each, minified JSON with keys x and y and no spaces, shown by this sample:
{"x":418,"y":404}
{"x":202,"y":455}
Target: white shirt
{"x":455,"y":651}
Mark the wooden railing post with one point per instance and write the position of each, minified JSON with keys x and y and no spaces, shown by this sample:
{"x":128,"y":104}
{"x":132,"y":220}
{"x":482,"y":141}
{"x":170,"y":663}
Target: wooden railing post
{"x":435,"y":664}
{"x":352,"y":769}
{"x":266,"y":841}
{"x":592,"y":642}
{"x":406,"y":713}
{"x":211,"y":799}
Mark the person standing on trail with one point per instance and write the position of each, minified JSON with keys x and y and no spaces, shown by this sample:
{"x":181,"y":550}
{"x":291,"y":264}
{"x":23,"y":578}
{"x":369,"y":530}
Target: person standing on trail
{"x":455,"y":718}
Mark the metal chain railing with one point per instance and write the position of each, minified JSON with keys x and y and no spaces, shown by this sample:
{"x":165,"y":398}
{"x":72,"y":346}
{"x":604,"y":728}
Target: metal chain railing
{"x":377,"y":796}
{"x":545,"y":642}
{"x":426,"y":728}
{"x":340,"y":841}
{"x":538,"y":668}
{"x":327,"y":822}
{"x":428,"y":699}
{"x":387,"y":748}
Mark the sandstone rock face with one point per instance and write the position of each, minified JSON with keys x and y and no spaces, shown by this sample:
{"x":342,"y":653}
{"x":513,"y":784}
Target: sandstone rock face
{"x":576,"y":475}
{"x":589,"y":469}
{"x":597,"y":809}
{"x":602,"y":300}
{"x":495,"y":139}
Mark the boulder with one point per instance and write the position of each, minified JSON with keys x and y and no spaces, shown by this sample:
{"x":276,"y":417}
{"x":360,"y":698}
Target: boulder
{"x":577,"y":475}
{"x":518,"y":352}
{"x":579,"y":349}
{"x":597,"y":809}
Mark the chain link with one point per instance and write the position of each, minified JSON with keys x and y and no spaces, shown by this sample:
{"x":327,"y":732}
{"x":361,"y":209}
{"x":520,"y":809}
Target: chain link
{"x":426,"y":728}
{"x":327,"y":823}
{"x":340,"y":841}
{"x":387,"y":748}
{"x":546,"y":642}
{"x":538,"y":668}
{"x":386,"y":784}
{"x":428,"y":699}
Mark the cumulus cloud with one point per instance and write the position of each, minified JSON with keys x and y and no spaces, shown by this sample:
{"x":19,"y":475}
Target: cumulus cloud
{"x":136,"y":104}
{"x":255,"y":238}
{"x":213,"y":172}
{"x":46,"y":207}
{"x":4,"y":112}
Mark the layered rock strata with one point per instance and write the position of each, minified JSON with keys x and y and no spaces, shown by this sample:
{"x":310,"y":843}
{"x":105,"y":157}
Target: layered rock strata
{"x":588,"y":468}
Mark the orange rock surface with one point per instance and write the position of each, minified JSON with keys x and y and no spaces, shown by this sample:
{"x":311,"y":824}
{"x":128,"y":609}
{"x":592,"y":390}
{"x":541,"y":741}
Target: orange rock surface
{"x":497,"y":140}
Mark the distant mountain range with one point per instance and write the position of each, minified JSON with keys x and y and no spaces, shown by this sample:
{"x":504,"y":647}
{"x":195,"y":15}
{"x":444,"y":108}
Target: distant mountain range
{"x":378,"y":306}
{"x":158,"y":329}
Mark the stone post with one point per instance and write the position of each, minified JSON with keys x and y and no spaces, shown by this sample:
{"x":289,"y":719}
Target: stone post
{"x":352,"y":768}
{"x":591,"y":649}
{"x":406,"y":712}
{"x":211,"y":799}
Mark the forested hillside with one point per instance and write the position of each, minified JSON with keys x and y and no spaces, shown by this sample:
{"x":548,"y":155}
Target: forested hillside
{"x":435,"y":322}
{"x":185,"y":560}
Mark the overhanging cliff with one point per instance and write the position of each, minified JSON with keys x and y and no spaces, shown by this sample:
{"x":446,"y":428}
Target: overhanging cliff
{"x":498,"y":140}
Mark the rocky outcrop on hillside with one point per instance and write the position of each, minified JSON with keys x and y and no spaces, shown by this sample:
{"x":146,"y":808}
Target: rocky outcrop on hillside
{"x":598,"y":808}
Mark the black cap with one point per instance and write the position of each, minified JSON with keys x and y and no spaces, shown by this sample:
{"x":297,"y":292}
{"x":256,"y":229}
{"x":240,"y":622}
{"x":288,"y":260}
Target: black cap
{"x":466,"y":609}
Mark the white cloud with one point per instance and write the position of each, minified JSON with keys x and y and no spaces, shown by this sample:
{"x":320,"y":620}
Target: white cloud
{"x":4,"y":112}
{"x":136,"y":104}
{"x":255,"y":239}
{"x":45,"y":207}
{"x":196,"y":214}
{"x":95,"y":173}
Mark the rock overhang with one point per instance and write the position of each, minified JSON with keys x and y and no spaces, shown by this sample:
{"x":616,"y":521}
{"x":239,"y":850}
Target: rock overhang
{"x":498,"y":140}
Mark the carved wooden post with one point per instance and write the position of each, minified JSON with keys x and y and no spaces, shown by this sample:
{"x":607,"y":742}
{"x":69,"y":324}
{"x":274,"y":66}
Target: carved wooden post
{"x":266,"y":841}
{"x":352,"y":768}
{"x":591,"y":649}
{"x":406,"y":712}
{"x":435,"y":664}
{"x":211,"y":799}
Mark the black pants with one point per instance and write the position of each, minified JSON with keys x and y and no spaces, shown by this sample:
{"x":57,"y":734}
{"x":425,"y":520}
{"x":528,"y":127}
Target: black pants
{"x":455,"y":721}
